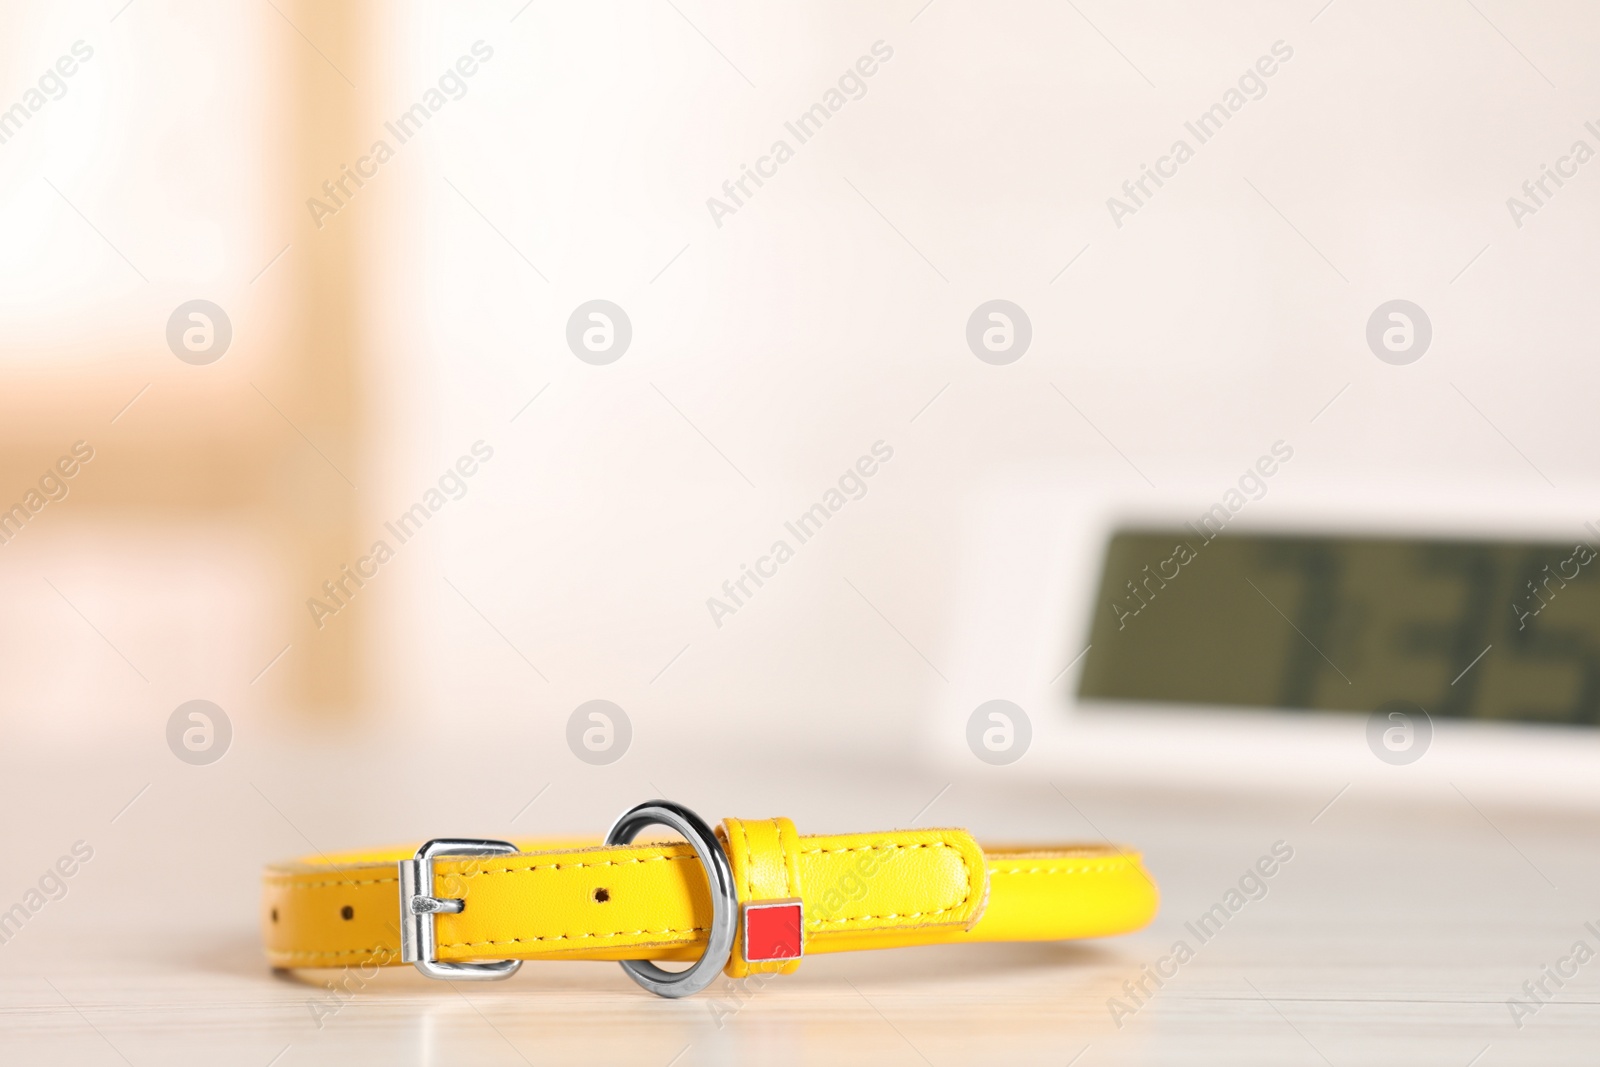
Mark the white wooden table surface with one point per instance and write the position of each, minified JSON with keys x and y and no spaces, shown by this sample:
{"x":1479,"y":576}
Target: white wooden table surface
{"x":1396,"y":934}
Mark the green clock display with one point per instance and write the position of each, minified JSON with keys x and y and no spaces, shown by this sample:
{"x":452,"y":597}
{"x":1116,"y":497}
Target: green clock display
{"x":1466,"y":629}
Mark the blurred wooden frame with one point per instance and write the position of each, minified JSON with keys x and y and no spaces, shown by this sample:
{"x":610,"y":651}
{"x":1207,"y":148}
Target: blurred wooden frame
{"x":205,"y":447}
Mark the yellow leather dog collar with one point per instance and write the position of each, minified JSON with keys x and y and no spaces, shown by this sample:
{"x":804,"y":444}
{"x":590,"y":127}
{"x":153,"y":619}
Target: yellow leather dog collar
{"x":749,"y":898}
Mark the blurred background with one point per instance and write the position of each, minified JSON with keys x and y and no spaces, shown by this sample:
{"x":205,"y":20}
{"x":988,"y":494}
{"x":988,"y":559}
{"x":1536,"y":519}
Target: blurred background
{"x":282,"y":281}
{"x":379,"y":332}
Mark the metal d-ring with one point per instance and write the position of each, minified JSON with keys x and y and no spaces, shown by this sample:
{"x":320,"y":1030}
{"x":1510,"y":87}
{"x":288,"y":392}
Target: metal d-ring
{"x":724,"y":901}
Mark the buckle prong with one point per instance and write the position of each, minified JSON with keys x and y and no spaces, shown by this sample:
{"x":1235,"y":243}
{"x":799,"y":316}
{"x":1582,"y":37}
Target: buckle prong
{"x":435,"y":905}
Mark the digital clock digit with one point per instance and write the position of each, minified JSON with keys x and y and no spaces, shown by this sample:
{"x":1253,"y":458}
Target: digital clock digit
{"x":1466,"y":629}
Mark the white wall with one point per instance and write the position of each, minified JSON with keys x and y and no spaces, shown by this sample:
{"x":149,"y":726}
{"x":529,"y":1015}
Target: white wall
{"x":1222,"y":316}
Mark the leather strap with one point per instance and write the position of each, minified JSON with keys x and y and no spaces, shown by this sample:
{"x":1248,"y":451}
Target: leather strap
{"x":575,"y":900}
{"x":765,"y":856}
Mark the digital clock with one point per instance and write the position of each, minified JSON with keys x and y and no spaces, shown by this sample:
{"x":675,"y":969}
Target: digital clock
{"x":1187,"y":636}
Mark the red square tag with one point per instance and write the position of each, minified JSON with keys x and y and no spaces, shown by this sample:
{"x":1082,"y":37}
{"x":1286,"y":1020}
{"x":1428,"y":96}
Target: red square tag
{"x":773,"y":930}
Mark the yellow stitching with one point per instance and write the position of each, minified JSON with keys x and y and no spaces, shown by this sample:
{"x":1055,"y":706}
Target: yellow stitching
{"x":562,"y":866}
{"x":1106,"y":868}
{"x":791,"y":878}
{"x":570,"y":937}
{"x":341,"y":952}
{"x":749,"y":862}
{"x":288,"y":880}
{"x":892,"y":915}
{"x":873,"y":848}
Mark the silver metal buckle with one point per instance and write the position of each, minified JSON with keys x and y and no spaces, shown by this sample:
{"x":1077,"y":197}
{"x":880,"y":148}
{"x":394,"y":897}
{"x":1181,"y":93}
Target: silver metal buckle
{"x":418,"y":906}
{"x":724,"y":901}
